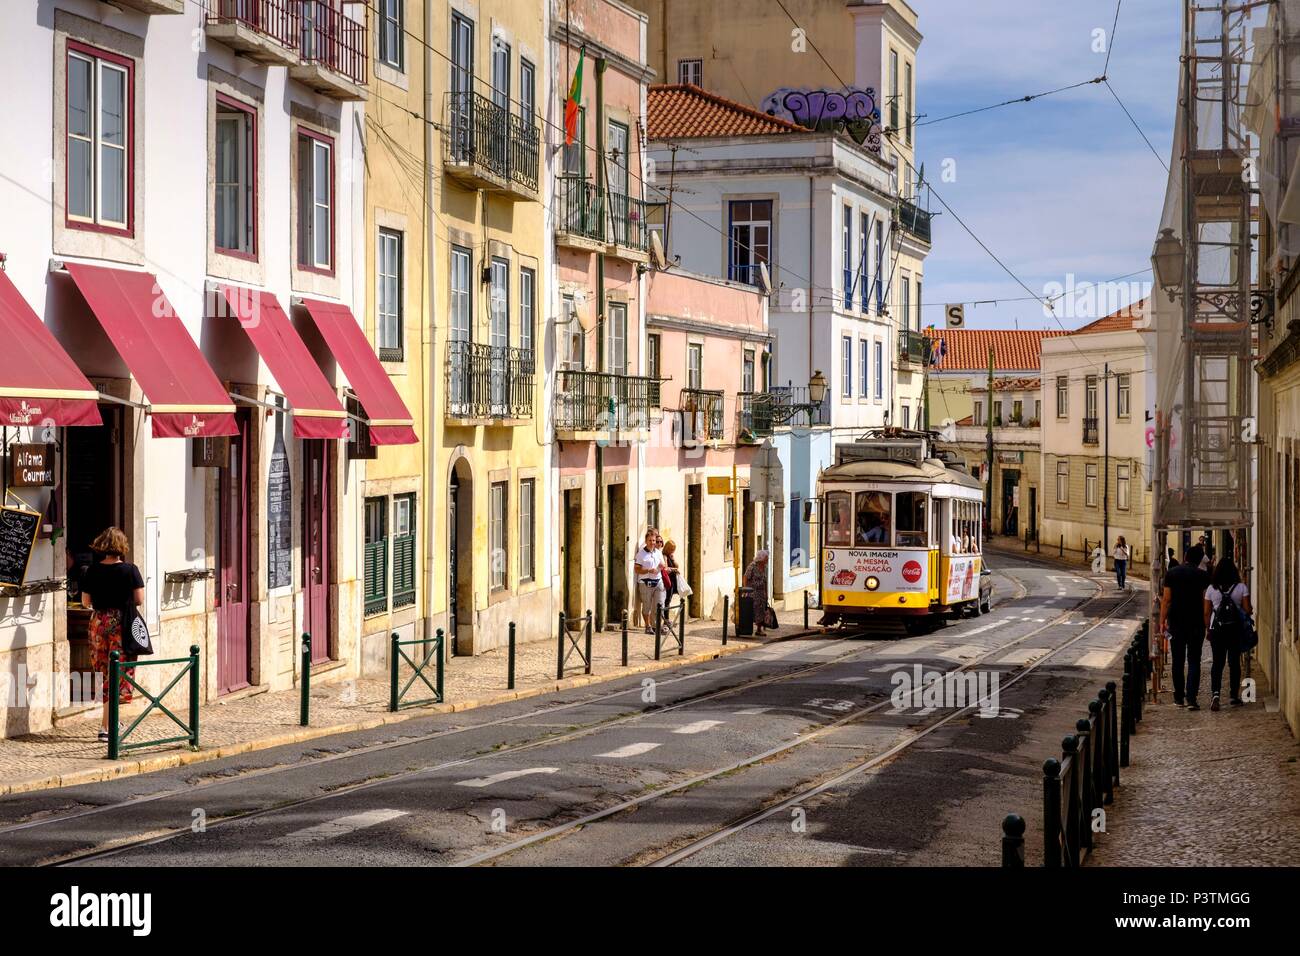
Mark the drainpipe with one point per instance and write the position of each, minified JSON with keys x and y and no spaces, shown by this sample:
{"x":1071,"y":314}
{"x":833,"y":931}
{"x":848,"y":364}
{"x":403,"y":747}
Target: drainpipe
{"x":429,"y":335}
{"x":603,"y":205}
{"x":812,"y":233}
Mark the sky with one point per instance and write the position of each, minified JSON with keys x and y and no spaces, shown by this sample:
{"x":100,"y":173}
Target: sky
{"x":1062,"y":186}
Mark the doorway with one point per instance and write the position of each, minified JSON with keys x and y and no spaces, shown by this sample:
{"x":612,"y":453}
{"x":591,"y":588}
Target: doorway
{"x":460,"y":566}
{"x":1031,"y":516}
{"x":234,"y":653}
{"x":572,"y":546}
{"x":746,"y":530}
{"x":694,"y":548}
{"x":616,"y":548}
{"x":317,"y":566}
{"x":1010,"y":500}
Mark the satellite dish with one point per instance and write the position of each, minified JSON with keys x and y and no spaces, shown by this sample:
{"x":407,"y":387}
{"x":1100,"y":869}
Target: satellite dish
{"x":657,"y":255}
{"x":764,"y":278}
{"x":579,"y":298}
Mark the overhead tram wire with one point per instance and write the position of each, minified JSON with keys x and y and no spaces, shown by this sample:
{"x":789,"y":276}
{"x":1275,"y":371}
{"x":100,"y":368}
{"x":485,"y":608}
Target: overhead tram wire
{"x":1159,"y":158}
{"x":1110,"y":41}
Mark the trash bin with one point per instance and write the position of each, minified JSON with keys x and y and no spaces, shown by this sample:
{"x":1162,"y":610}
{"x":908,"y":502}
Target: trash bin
{"x":745,"y":613}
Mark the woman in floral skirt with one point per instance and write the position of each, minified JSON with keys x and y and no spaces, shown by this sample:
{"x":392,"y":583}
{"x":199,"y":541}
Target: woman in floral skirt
{"x":112,"y":586}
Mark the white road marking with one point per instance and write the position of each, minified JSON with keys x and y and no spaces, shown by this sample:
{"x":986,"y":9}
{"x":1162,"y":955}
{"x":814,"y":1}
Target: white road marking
{"x":1096,"y":659}
{"x":631,"y":750}
{"x":905,"y":648}
{"x":830,"y":650}
{"x":333,"y":829}
{"x":849,"y":680}
{"x":1023,"y":655}
{"x":982,"y":628}
{"x":752,"y":711}
{"x":961,"y":652}
{"x":504,"y":776}
{"x":697,"y":726}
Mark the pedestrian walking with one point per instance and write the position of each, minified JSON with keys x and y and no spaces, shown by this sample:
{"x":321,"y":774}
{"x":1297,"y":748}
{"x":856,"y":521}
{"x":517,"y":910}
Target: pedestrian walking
{"x":1122,"y":554}
{"x":113,"y":588}
{"x":1182,"y":613}
{"x":648,"y":568}
{"x":670,"y":571}
{"x":756,"y":581}
{"x":1227,"y":619}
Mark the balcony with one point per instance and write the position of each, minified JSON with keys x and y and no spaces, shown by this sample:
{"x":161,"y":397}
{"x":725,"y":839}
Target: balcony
{"x":267,"y":31}
{"x":914,"y":220}
{"x":1090,"y":436}
{"x":913,"y":348}
{"x":488,"y":147}
{"x":759,"y":414}
{"x":334,"y":49}
{"x":628,"y":219}
{"x":579,"y":223}
{"x":489,"y":384}
{"x":701,"y":414}
{"x":596,"y":405}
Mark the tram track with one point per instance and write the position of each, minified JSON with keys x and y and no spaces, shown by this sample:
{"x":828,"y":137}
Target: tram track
{"x":587,"y":730}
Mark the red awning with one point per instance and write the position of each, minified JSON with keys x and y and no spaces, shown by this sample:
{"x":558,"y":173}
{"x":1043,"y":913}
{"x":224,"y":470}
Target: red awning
{"x":390,"y":422}
{"x":316,"y":409}
{"x":39,"y":383}
{"x":185,"y":398}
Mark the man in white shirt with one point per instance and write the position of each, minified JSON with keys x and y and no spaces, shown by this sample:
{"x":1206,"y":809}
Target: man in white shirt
{"x":648,"y":569}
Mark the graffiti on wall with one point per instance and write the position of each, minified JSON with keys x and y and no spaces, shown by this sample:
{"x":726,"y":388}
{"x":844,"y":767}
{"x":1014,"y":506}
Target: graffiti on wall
{"x":852,"y":109}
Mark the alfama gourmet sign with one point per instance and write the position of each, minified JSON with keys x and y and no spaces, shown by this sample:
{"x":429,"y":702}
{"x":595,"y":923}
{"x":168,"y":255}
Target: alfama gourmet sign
{"x":31,"y":466}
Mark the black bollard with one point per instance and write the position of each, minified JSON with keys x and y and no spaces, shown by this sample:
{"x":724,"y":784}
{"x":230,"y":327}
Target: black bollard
{"x":1013,"y":841}
{"x":587,"y":643}
{"x":304,"y":705}
{"x":559,"y":652}
{"x":726,"y":616}
{"x":510,"y":659}
{"x":623,"y":628}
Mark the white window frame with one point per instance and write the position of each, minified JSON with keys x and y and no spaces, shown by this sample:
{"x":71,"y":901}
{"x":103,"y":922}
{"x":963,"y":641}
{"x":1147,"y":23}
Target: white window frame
{"x":95,"y":140}
{"x":694,"y":364}
{"x":388,"y":294}
{"x":1090,"y":484}
{"x":864,"y":368}
{"x":1062,"y":397}
{"x":1123,"y":474}
{"x":685,"y":68}
{"x":498,"y":539}
{"x":462,"y":298}
{"x":1062,"y":482}
{"x":527,"y":306}
{"x":1123,"y":396}
{"x":391,"y":14}
{"x":846,"y":366}
{"x":527,"y":528}
{"x":879,"y":384}
{"x":310,"y":196}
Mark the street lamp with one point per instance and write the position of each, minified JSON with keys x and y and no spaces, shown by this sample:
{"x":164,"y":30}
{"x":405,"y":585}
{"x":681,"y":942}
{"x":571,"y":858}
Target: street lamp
{"x":1169,"y":260}
{"x":817,"y":387}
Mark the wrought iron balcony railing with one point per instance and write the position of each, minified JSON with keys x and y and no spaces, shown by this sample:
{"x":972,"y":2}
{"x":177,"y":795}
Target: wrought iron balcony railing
{"x":489,"y":381}
{"x":276,"y":19}
{"x":490,"y":136}
{"x":913,"y":347}
{"x":627,"y":217}
{"x":701,"y":412}
{"x":760,"y":413}
{"x":1090,"y":436}
{"x":577,"y":208}
{"x":914,"y":219}
{"x":332,"y":40}
{"x":604,"y":401}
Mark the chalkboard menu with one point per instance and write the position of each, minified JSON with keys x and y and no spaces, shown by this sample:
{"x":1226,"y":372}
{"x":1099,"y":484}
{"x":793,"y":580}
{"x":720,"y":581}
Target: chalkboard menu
{"x":279,"y":514}
{"x":18,"y":529}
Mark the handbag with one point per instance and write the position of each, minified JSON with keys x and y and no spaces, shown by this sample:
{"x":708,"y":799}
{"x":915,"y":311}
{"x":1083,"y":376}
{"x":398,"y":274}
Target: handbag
{"x":771,"y":618}
{"x":135,"y":634}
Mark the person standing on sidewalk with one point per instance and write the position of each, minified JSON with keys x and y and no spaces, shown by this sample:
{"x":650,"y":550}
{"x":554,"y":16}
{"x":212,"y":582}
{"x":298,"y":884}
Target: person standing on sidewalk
{"x":649,"y":564}
{"x":1227,"y":615}
{"x":112,"y":586}
{"x":1182,"y":612}
{"x":1121,"y":554}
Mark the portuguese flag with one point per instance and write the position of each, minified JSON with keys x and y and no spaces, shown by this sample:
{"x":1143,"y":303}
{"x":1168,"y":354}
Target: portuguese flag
{"x":571,"y":104}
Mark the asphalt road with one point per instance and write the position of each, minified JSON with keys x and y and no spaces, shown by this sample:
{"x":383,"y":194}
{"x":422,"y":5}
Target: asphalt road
{"x":709,"y":764}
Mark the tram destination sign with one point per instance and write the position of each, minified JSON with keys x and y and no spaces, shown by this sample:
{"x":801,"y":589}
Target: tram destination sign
{"x":31,"y":466}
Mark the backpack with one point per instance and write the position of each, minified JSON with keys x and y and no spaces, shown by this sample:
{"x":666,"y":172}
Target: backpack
{"x":1231,"y":624}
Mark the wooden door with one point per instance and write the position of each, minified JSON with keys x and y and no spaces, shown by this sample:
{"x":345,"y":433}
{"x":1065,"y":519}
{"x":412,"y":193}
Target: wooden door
{"x":317,"y":548}
{"x":234,"y":583}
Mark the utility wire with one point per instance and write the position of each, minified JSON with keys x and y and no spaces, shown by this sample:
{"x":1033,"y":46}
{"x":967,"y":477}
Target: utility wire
{"x":1110,"y":41}
{"x":1013,"y":102}
{"x":1159,"y":158}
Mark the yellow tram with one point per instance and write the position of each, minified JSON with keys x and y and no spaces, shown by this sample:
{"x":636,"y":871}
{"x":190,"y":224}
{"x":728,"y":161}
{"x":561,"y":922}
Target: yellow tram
{"x":901,"y":535}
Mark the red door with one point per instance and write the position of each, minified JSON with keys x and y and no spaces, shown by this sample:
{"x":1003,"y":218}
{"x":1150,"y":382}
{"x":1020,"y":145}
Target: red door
{"x":316,"y":547}
{"x":233,"y":582}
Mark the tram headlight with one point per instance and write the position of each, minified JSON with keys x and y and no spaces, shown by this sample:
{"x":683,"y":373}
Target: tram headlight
{"x":873,"y":582}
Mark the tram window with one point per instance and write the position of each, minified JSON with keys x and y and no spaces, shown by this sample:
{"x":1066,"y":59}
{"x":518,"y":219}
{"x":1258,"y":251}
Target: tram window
{"x":873,"y":517}
{"x":911,"y":508}
{"x":954,"y":507}
{"x":839,"y":519}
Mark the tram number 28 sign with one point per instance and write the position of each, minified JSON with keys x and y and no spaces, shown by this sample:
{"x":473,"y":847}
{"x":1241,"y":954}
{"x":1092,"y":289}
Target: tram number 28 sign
{"x":849,"y":569}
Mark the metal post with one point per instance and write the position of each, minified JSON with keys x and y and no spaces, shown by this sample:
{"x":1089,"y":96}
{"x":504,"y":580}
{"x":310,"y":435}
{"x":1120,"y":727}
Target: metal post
{"x":559,"y":653}
{"x":988,"y":508}
{"x":805,"y":610}
{"x":194,"y":696}
{"x":1051,"y":813}
{"x":304,"y":706}
{"x":726,"y":616}
{"x":681,"y":627}
{"x":392,"y":673}
{"x":587,"y":643}
{"x":623,"y":631}
{"x":659,"y":628}
{"x":510,"y":660}
{"x":1061,"y":550}
{"x":441,"y":664}
{"x":1126,"y":721}
{"x":1013,"y":841}
{"x":114,"y":683}
{"x":1112,"y":738}
{"x":1105,"y":465}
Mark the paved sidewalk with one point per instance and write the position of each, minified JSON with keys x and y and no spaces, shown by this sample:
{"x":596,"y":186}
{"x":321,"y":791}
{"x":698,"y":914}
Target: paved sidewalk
{"x":1006,"y":547}
{"x":69,"y":754}
{"x":1206,"y":789}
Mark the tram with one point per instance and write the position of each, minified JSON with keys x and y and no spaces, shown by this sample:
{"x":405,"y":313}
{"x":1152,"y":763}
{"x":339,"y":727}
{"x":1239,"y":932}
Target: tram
{"x":901,"y":535}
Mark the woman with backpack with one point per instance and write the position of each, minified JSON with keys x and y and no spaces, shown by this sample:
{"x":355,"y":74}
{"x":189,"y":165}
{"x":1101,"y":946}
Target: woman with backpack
{"x":1227,"y":619}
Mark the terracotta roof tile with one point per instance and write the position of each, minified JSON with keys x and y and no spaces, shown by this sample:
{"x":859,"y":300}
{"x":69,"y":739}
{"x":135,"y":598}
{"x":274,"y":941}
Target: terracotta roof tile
{"x":1125,"y":318}
{"x":683,"y":111}
{"x":1012,"y":385}
{"x":1013,"y":349}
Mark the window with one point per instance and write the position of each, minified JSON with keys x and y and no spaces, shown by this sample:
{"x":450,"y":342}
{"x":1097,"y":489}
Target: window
{"x":462,"y":302}
{"x":1090,"y":485}
{"x":907,"y":101}
{"x":392,"y":41}
{"x":880,"y":371}
{"x":912,"y":511}
{"x":1062,"y":397}
{"x":893,"y":89}
{"x":864,"y":278}
{"x":729,"y":525}
{"x":527,"y":528}
{"x":652,"y":513}
{"x":1122,"y":475}
{"x":499,"y":304}
{"x":1038,"y":410}
{"x":617,"y":140}
{"x":749,"y":239}
{"x":497,"y":558}
{"x":1090,"y":397}
{"x":847,"y":248}
{"x":100,"y":138}
{"x":1017,"y":412}
{"x":315,"y":202}
{"x":1122,"y":396}
{"x":978,"y":417}
{"x":388,"y":288}
{"x":798,"y":552}
{"x":846,"y":367}
{"x":839,"y":519}
{"x":235,"y":178}
{"x":907,"y":417}
{"x":403,"y":551}
{"x":376,"y":556}
{"x":527,"y":91}
{"x":575,"y":153}
{"x":653,"y":350}
{"x":880,"y":266}
{"x":864,"y":364}
{"x":461,"y":86}
{"x":872,"y":518}
{"x":694,"y":365}
{"x":690,"y":71}
{"x":918,"y":325}
{"x":501,"y":73}
{"x":747,"y":371}
{"x":995,"y":406}
{"x":616,"y":353}
{"x":527,"y":307}
{"x":905,"y":300}
{"x":1062,"y":482}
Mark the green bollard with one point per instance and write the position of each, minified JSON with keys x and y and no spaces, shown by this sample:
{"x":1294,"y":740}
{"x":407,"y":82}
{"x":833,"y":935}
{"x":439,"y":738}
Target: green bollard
{"x":194,"y":697}
{"x":114,"y":682}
